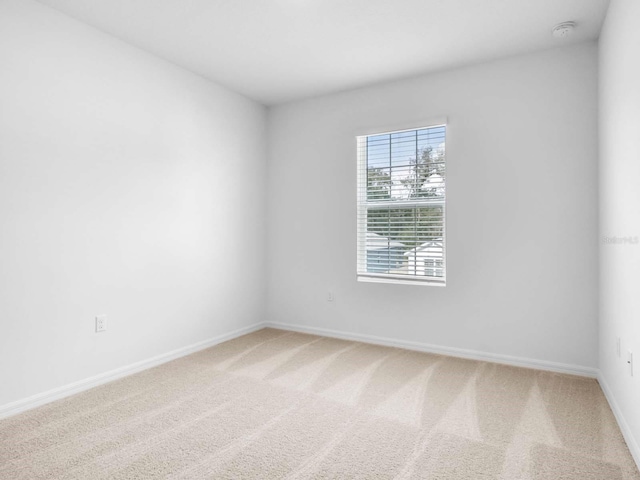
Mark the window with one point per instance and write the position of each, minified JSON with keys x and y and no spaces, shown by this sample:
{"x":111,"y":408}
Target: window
{"x":401,"y":206}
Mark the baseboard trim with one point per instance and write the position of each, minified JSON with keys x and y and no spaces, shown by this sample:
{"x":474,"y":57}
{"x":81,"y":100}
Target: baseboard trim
{"x":632,"y":443}
{"x":442,"y":350}
{"x":39,"y":399}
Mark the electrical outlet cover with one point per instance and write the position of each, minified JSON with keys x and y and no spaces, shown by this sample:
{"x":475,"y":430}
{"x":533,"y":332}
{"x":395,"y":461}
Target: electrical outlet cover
{"x":101,"y":323}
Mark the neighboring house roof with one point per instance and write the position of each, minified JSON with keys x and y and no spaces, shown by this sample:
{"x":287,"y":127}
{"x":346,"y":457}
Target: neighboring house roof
{"x":427,"y":248}
{"x":378,"y":242}
{"x":435,"y":178}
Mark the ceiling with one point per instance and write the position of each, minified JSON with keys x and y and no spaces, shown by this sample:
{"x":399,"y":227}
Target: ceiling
{"x":275,"y":51}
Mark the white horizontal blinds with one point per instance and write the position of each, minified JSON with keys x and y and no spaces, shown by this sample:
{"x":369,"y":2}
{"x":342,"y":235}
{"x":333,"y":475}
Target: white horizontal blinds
{"x":401,"y":205}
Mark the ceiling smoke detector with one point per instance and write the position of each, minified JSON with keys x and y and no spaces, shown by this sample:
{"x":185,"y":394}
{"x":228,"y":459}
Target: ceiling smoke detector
{"x":563,"y":29}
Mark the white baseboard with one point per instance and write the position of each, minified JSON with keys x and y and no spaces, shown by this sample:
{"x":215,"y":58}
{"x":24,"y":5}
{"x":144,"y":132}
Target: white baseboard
{"x":632,"y":443}
{"x":438,"y":349}
{"x":39,"y":399}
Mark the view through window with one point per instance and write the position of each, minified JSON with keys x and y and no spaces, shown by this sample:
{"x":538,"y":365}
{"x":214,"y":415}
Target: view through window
{"x":401,"y":205}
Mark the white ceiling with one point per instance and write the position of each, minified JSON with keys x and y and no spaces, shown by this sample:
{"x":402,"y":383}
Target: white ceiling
{"x":280,"y":50}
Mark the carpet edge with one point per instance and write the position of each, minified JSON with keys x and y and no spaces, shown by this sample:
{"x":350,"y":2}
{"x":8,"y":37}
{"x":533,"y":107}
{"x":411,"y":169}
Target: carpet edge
{"x":546,"y":365}
{"x":39,"y":399}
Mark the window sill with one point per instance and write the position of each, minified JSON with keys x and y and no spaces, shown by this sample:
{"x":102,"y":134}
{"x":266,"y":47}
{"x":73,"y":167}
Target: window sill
{"x":401,"y":281}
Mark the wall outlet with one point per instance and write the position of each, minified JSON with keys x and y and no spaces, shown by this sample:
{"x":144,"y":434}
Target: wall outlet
{"x":101,"y":323}
{"x":630,"y":362}
{"x":330,"y":297}
{"x":618,"y":346}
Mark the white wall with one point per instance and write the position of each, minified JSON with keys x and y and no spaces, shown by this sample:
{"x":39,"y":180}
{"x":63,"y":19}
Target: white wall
{"x":620,"y":211}
{"x":128,"y":187}
{"x":522,"y":210}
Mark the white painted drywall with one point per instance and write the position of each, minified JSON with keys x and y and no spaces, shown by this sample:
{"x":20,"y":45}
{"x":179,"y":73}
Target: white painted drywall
{"x":128,"y":187}
{"x":620,"y":210}
{"x":521,"y":204}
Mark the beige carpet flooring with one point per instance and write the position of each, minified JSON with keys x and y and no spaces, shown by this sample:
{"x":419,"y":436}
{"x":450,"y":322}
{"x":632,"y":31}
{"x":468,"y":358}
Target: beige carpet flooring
{"x":275,"y":404}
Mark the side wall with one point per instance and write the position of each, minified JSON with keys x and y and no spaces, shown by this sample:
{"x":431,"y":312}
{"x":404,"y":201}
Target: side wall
{"x":620,"y":214}
{"x":521,"y":211}
{"x":128,"y":187}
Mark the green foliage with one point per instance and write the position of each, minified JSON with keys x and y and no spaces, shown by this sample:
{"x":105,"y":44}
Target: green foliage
{"x":429,"y":166}
{"x":412,"y":226}
{"x":378,"y":184}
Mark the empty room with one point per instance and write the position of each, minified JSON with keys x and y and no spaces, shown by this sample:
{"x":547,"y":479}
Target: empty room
{"x":320,"y":239}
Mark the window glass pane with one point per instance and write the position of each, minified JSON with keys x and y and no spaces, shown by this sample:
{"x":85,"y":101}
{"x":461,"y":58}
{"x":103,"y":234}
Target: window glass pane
{"x":378,"y":151}
{"x":407,"y":165}
{"x":403,"y":148}
{"x":378,"y":184}
{"x":405,"y":240}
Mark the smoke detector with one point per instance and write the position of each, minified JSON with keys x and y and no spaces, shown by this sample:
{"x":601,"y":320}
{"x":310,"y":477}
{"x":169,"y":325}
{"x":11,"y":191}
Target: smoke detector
{"x":564,"y":29}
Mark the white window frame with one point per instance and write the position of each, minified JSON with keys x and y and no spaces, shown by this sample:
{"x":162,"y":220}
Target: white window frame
{"x":363,"y":204}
